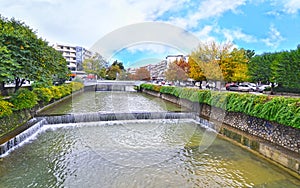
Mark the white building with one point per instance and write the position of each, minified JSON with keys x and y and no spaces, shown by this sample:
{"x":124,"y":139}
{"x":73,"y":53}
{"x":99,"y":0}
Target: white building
{"x":172,"y":58}
{"x":74,"y":55}
{"x":157,"y":71}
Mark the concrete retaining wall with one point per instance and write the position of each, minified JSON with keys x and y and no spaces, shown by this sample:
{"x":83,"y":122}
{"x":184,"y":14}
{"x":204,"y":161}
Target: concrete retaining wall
{"x":277,"y":142}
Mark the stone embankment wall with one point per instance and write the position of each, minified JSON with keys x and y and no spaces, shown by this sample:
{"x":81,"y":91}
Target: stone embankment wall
{"x":275,"y":141}
{"x":17,"y":122}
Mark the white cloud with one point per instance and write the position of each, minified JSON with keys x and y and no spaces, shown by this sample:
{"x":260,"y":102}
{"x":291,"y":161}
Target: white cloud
{"x":83,"y":22}
{"x":152,"y":48}
{"x":292,"y":6}
{"x":213,"y":8}
{"x":285,"y":6}
{"x":274,"y":39}
{"x":205,"y":33}
{"x":237,"y":34}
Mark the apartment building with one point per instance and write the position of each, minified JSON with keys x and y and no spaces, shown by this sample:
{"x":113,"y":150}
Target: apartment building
{"x":172,"y":58}
{"x":74,"y":55}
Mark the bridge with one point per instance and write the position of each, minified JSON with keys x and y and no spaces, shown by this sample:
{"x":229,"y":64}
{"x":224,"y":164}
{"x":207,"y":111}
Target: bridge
{"x":112,"y":85}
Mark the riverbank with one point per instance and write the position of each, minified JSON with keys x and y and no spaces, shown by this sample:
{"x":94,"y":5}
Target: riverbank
{"x":42,"y":98}
{"x":274,"y":141}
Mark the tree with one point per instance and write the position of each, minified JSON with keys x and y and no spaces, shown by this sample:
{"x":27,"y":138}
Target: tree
{"x":142,"y":74}
{"x":95,"y":65}
{"x":175,"y":73}
{"x":8,"y":66}
{"x":260,"y":68}
{"x":234,"y":66}
{"x":218,"y":62}
{"x":286,"y":69}
{"x":113,"y":72}
{"x":119,"y":64}
{"x":31,"y":57}
{"x":184,"y":65}
{"x":195,"y":70}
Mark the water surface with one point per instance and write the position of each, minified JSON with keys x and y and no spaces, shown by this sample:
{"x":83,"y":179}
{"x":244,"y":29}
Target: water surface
{"x":156,"y":153}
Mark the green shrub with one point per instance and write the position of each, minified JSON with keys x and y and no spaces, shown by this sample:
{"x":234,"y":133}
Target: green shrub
{"x":283,"y":110}
{"x":75,"y":86}
{"x":43,"y":94}
{"x":5,"y":108}
{"x":151,"y":87}
{"x":218,"y":99}
{"x":65,"y":90}
{"x":147,"y":86}
{"x":24,"y":99}
{"x":56,"y":92}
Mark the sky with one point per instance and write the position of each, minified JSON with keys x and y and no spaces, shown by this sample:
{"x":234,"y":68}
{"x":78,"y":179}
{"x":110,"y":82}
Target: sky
{"x":129,"y":27}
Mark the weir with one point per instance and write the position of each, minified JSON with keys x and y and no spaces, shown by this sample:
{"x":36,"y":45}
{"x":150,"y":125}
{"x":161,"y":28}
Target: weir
{"x":113,"y":85}
{"x":38,"y":122}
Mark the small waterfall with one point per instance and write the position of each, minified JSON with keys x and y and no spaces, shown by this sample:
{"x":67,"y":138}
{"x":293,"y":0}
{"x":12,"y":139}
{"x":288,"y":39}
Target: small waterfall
{"x":205,"y":123}
{"x":110,"y":116}
{"x":36,"y":124}
{"x":21,"y":138}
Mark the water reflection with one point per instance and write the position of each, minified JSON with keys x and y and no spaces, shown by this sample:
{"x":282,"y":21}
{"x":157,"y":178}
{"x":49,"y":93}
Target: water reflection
{"x":113,"y":102}
{"x":117,"y":155}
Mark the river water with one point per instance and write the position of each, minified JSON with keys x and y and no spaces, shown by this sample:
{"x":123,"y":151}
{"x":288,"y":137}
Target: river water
{"x":135,"y":153}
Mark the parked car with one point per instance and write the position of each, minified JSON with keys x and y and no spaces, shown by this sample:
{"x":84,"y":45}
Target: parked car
{"x":261,"y":88}
{"x":253,"y":86}
{"x":245,"y":87}
{"x":232,"y":87}
{"x":227,"y":86}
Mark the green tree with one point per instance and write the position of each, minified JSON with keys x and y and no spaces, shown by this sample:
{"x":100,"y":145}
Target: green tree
{"x":119,"y":64}
{"x":286,"y":70}
{"x":32,"y":58}
{"x":95,"y":65}
{"x":113,"y":72}
{"x":8,"y":66}
{"x":260,"y":68}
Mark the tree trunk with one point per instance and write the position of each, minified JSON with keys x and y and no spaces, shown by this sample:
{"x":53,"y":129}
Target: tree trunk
{"x":200,"y":85}
{"x":19,"y":83}
{"x":272,"y":88}
{"x":3,"y":92}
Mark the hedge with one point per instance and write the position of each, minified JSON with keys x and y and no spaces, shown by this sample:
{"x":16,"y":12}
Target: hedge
{"x":283,"y":110}
{"x":26,"y":99}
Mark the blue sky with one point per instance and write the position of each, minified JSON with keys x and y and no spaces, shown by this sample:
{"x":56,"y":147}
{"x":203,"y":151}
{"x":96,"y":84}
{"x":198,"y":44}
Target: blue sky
{"x":259,"y":25}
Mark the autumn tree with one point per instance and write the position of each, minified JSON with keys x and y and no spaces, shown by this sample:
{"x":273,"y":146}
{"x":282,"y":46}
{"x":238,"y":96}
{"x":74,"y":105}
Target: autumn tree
{"x":195,"y":70}
{"x":234,"y":66}
{"x":142,"y":74}
{"x":218,"y":62}
{"x":175,"y":73}
{"x":184,"y":65}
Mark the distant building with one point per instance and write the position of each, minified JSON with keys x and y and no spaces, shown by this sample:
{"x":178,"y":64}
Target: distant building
{"x":172,"y":58}
{"x":157,"y":71}
{"x":74,"y":55}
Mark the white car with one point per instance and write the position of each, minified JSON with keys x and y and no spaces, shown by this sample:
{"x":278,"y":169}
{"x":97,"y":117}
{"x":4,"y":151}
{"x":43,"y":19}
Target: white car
{"x":246,"y":87}
{"x":261,"y":88}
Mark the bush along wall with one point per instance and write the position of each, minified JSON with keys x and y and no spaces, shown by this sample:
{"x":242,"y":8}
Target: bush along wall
{"x":22,"y":105}
{"x":282,"y":110}
{"x":271,"y":118}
